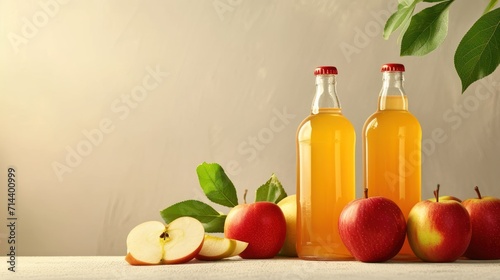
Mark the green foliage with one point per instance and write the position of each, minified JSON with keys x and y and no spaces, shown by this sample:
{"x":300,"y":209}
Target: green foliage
{"x":427,"y":30}
{"x":216,"y":185}
{"x":212,"y":220}
{"x":400,"y":17}
{"x":490,"y":6}
{"x":219,"y":189}
{"x":271,"y":191}
{"x":478,"y":53}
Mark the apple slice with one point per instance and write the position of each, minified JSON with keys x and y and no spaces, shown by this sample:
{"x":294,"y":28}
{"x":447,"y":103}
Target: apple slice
{"x":154,"y":243}
{"x":144,"y":245}
{"x":239,"y":248}
{"x":217,"y":248}
{"x":184,"y":240}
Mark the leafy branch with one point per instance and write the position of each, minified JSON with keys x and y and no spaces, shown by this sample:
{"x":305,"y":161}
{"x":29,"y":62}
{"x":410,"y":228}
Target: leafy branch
{"x":219,"y":189}
{"x":477,"y":54}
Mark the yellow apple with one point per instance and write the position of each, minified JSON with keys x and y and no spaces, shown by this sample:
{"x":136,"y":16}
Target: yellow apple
{"x":288,"y":206}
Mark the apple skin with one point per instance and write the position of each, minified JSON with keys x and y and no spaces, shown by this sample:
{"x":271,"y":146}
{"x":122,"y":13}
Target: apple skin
{"x":485,"y":220}
{"x":445,"y":197}
{"x":133,"y":261}
{"x":373,"y":229}
{"x":289,"y":207}
{"x":261,"y":224}
{"x":439,"y":231}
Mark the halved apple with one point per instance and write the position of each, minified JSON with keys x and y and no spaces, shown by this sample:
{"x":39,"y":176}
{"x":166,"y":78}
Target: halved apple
{"x":217,"y":248}
{"x":154,"y":243}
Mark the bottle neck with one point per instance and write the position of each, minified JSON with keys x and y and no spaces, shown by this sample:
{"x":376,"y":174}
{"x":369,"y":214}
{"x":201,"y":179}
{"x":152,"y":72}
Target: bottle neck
{"x":392,"y":95}
{"x":325,"y":98}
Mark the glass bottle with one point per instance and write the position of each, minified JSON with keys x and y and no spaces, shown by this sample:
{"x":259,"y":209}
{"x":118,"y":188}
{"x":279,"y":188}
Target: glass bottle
{"x":392,"y":148}
{"x":325,"y":172}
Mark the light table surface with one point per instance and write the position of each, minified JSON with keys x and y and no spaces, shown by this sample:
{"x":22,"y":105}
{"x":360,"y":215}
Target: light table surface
{"x":115,"y":267}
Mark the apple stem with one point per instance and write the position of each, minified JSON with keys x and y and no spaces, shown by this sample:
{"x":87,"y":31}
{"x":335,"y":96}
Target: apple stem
{"x":436,"y":193}
{"x":477,"y":191}
{"x":366,"y":192}
{"x":245,"y":196}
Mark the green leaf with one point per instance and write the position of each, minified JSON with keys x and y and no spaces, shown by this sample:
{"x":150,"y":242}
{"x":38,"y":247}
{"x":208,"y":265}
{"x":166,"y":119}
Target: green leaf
{"x":406,"y":23}
{"x":271,"y":191}
{"x":433,"y":1}
{"x":427,"y":30}
{"x":490,"y":6}
{"x":478,"y":53}
{"x":401,"y":16}
{"x":216,"y":185}
{"x":212,"y":220}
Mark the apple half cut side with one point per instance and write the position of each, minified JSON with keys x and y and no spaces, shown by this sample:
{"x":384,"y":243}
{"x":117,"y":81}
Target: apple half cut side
{"x":217,"y":248}
{"x":152,"y":242}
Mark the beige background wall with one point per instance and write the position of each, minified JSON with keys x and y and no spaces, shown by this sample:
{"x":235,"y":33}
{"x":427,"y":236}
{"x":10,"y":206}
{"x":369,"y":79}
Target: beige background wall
{"x":107,"y":107}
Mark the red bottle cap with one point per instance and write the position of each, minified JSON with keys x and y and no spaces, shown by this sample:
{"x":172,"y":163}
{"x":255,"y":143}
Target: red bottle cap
{"x":392,"y":67}
{"x":325,"y":70}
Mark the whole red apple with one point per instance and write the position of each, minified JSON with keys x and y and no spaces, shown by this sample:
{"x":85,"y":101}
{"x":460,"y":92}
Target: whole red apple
{"x":373,"y":229}
{"x":484,"y":214}
{"x":439,"y":231}
{"x":261,"y":224}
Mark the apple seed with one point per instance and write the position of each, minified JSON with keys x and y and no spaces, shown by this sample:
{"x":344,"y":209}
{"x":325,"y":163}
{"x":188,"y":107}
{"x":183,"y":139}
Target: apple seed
{"x":164,"y":235}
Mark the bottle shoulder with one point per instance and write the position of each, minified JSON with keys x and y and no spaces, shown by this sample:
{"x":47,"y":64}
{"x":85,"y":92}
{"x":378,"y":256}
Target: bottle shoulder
{"x":326,"y":125}
{"x":391,"y":118}
{"x":327,"y":118}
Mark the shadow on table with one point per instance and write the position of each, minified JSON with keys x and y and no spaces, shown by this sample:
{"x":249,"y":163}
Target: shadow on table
{"x":460,"y":260}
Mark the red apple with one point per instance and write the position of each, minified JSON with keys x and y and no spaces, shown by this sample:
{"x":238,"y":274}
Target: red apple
{"x":373,"y":229}
{"x":484,"y":214}
{"x":439,"y":231}
{"x":261,"y":224}
{"x":446,"y":197}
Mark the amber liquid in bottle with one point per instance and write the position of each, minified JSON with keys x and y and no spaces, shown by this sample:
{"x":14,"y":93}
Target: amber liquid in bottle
{"x":392,"y":151}
{"x":325,"y":175}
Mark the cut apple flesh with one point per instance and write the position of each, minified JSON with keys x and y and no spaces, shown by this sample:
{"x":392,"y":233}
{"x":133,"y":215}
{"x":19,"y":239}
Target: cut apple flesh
{"x":184,"y":241}
{"x":144,"y":244}
{"x":216,"y":248}
{"x":154,"y":243}
{"x":240,"y":247}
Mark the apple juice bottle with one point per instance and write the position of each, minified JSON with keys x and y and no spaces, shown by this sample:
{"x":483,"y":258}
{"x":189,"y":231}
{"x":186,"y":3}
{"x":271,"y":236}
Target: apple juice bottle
{"x":325,"y":172}
{"x":392,"y":147}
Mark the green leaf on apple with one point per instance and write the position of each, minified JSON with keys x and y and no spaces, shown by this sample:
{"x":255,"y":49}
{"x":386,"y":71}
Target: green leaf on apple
{"x":427,"y":30}
{"x":477,"y":54}
{"x":271,"y":191}
{"x":216,"y":185}
{"x":211,"y":220}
